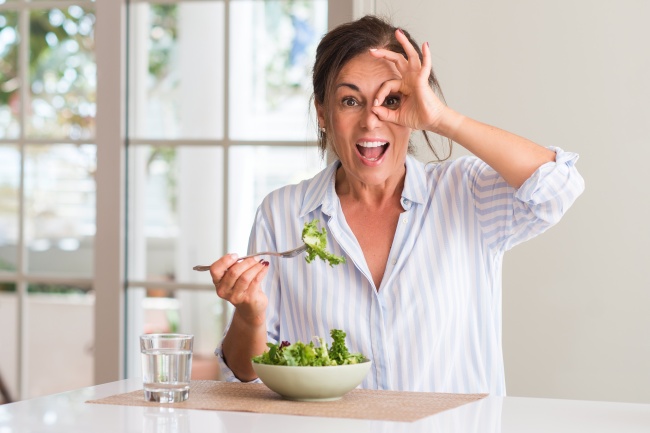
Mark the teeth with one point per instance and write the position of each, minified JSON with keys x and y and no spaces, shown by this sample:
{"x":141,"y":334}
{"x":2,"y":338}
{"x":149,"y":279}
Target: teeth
{"x":371,"y":143}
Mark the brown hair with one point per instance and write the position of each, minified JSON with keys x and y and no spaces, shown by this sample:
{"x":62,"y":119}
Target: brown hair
{"x":349,"y":40}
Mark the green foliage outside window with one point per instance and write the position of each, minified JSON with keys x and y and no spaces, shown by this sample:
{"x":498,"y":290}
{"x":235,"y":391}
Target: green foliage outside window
{"x":61,"y":75}
{"x":8,"y":57}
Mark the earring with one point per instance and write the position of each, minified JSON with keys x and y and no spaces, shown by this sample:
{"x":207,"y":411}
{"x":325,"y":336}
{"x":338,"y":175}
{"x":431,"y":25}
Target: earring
{"x":322,"y":130}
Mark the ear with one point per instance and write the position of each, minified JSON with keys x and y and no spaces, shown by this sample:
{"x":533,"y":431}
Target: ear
{"x":320,"y":113}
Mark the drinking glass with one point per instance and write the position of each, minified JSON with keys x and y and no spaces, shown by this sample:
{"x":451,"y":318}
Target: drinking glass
{"x":166,"y":366}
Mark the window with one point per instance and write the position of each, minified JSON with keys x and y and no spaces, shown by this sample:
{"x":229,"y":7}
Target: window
{"x":47,"y":195}
{"x":219,"y":116}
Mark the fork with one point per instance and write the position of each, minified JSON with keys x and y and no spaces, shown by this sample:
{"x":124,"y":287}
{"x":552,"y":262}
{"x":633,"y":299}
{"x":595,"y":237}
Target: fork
{"x":284,"y":255}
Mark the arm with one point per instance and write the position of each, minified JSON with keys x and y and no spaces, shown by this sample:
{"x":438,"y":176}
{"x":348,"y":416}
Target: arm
{"x":240,"y":284}
{"x":513,"y":157}
{"x":243,"y":341}
{"x":509,"y":216}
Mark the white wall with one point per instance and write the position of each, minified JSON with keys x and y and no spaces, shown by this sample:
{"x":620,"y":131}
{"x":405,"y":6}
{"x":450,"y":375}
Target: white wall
{"x":59,"y":336}
{"x":575,"y":74}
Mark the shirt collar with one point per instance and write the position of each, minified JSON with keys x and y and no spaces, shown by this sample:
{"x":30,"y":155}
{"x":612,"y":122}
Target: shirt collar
{"x":322,"y":192}
{"x":415,"y":183}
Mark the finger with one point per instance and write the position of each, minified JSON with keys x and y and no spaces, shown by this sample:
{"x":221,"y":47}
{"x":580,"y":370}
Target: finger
{"x":385,"y":114}
{"x":398,"y":59}
{"x":426,"y":60}
{"x":219,"y":268}
{"x":387,"y":88}
{"x":247,"y":276}
{"x":226,"y":283}
{"x":249,"y":282}
{"x":411,"y":53}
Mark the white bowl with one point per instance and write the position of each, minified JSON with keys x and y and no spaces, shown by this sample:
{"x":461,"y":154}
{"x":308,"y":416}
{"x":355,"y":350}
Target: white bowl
{"x":312,"y":383}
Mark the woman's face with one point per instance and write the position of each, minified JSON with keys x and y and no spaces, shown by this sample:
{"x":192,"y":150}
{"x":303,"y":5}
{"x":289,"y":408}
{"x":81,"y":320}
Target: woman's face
{"x":371,"y":151}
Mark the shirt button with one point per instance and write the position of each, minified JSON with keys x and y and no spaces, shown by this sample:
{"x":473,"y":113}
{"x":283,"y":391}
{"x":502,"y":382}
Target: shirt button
{"x":394,"y":262}
{"x":405,"y":220}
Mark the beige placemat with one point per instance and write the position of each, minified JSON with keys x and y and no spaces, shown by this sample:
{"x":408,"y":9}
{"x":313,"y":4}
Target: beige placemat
{"x":256,"y":397}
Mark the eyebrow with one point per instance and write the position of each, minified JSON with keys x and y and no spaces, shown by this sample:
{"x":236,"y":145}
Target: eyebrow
{"x":350,"y":85}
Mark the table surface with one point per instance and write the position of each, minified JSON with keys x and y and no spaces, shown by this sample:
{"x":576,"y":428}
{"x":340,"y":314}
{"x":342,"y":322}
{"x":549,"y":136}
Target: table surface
{"x":68,"y":412}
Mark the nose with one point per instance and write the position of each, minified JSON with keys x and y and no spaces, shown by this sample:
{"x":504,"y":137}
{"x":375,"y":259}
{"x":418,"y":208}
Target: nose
{"x":369,"y":119}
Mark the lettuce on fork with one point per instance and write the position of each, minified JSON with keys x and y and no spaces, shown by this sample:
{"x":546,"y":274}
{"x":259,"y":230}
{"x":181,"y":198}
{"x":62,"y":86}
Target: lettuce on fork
{"x":310,"y":355}
{"x":316,"y":242}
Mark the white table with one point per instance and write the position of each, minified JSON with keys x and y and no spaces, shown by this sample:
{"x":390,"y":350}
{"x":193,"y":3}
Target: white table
{"x":67,"y":413}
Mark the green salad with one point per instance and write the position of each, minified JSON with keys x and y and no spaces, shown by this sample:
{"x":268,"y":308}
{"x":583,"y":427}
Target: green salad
{"x":310,"y":355}
{"x":316,"y":242}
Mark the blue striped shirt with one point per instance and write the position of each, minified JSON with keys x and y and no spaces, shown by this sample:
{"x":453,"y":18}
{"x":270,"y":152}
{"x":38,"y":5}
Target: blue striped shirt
{"x":434,"y":324}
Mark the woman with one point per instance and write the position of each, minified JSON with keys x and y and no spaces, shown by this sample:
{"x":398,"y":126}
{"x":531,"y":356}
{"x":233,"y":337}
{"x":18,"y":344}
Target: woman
{"x":420,"y":293}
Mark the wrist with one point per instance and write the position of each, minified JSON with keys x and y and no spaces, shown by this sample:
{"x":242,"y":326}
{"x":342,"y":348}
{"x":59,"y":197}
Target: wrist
{"x":448,"y":124}
{"x":249,"y":321}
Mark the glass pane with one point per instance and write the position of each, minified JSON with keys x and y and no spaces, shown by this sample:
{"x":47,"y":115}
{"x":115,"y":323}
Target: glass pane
{"x":255,"y":171}
{"x":177,"y":57}
{"x":175,"y":207}
{"x":63,"y":78}
{"x":60,"y":208}
{"x":7,"y":287}
{"x":9,"y":81}
{"x":273,"y":45}
{"x":9,"y":338}
{"x":61,"y":325}
{"x":9,"y":184}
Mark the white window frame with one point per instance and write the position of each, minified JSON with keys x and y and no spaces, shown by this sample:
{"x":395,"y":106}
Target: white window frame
{"x":109,"y":279}
{"x":110,"y":39}
{"x":21,"y":277}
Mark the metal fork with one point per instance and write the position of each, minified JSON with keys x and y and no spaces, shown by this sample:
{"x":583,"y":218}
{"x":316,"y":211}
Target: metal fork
{"x":284,"y":255}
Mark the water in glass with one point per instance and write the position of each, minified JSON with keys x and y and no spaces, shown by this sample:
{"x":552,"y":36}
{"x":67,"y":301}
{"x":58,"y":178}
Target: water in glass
{"x":166,"y":367}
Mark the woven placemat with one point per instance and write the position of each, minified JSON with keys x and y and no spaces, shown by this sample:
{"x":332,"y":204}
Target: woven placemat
{"x":256,"y":397}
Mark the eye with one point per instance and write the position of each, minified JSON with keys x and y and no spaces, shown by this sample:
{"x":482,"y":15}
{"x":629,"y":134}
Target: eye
{"x":349,"y":102}
{"x":392,"y":102}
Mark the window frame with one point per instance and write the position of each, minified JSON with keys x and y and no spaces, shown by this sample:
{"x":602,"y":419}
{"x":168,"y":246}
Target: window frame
{"x":109,"y":277}
{"x":22,"y":277}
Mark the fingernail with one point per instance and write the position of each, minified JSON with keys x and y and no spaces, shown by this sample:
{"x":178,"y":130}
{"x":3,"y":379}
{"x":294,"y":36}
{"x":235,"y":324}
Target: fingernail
{"x":376,"y":102}
{"x":265,"y":263}
{"x":373,"y":49}
{"x":427,"y":44}
{"x":401,"y":31}
{"x":234,"y":256}
{"x":262,"y":261}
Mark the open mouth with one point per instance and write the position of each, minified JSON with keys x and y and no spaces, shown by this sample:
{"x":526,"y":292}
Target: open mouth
{"x":372,"y":150}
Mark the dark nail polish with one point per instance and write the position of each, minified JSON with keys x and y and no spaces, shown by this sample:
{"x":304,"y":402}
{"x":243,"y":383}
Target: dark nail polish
{"x":401,"y":31}
{"x":262,"y":261}
{"x":265,"y":263}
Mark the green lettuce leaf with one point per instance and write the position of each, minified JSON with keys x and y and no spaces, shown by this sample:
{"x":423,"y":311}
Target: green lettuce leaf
{"x":316,"y":242}
{"x":310,"y":355}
